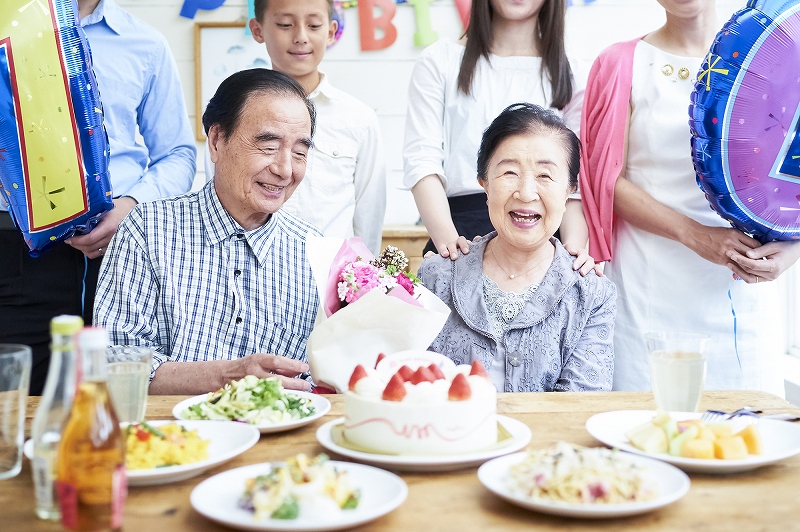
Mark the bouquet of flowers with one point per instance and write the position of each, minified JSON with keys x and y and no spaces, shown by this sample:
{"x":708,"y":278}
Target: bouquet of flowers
{"x":369,"y":305}
{"x":386,"y":273}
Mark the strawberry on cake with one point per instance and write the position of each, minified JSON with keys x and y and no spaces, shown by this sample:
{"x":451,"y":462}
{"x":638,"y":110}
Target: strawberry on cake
{"x":420,"y":403}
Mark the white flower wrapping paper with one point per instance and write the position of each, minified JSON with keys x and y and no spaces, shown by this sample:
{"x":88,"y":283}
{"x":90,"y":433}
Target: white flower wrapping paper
{"x":375,"y":323}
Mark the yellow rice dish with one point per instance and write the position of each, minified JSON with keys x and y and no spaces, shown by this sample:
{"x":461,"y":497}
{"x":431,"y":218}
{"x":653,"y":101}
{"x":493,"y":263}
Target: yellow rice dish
{"x":149,"y":447}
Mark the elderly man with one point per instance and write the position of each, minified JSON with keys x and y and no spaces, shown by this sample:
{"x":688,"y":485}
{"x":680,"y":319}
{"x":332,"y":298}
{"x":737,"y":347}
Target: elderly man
{"x":216,"y":282}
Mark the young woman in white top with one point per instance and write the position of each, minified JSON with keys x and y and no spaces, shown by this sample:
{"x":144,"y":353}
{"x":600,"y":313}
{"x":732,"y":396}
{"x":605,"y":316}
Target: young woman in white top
{"x":513,"y":51}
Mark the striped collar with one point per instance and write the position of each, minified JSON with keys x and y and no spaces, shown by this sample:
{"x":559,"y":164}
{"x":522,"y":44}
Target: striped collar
{"x":220,"y":225}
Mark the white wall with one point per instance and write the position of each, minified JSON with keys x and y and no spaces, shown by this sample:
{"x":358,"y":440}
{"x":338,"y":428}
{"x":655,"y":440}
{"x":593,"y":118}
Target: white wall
{"x":380,"y":78}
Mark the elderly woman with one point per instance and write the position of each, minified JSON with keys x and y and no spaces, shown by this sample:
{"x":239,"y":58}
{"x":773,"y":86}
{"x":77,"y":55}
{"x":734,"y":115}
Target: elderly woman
{"x":517,"y":304}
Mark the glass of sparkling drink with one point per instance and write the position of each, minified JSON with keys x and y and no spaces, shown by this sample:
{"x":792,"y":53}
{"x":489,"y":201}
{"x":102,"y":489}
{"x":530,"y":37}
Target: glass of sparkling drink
{"x":677,"y":369}
{"x":128,"y":380}
{"x":15,"y":374}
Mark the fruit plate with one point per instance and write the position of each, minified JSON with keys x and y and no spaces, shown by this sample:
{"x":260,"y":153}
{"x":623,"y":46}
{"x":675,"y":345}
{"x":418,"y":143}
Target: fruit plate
{"x":519,"y":432}
{"x":780,"y":440}
{"x":672,"y":484}
{"x":217,"y":499}
{"x":321,"y":407}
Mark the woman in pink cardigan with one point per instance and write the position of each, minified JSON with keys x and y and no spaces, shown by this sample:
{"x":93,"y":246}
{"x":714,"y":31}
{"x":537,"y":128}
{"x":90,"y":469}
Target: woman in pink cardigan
{"x":670,"y":255}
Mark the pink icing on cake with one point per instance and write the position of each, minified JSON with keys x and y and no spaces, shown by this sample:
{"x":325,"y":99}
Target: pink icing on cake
{"x":424,"y":421}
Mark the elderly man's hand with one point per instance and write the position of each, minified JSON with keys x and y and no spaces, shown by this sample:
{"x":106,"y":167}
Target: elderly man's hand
{"x":94,"y":243}
{"x":263,"y":365}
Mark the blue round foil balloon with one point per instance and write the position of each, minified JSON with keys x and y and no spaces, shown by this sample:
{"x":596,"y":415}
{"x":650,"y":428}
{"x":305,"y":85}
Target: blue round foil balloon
{"x":744,"y":120}
{"x":53,"y":146}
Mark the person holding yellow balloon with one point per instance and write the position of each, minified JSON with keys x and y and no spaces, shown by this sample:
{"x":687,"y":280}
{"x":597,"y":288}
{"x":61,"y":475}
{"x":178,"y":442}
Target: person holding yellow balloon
{"x":152,"y":155}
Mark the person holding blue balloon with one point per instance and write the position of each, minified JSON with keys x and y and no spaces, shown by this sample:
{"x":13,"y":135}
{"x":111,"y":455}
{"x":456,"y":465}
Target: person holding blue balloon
{"x":152,"y":155}
{"x":678,"y":266}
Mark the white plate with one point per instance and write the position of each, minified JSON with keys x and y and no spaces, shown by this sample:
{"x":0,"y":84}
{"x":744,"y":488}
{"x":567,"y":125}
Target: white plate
{"x":228,"y":440}
{"x":779,"y":440}
{"x":672,"y":485}
{"x":321,"y":407}
{"x":217,"y":498}
{"x":520,"y":436}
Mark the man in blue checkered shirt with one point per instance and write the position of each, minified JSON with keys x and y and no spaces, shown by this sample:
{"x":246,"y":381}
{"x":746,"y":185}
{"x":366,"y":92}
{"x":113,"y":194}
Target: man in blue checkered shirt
{"x":217,"y":282}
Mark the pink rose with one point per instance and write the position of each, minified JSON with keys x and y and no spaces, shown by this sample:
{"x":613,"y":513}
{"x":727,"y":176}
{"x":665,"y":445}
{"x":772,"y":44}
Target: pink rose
{"x":360,"y":277}
{"x":405,"y":282}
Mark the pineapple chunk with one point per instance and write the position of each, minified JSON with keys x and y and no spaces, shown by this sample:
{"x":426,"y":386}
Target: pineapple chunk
{"x":699,"y":448}
{"x":751,"y":439}
{"x":730,"y":448}
{"x":707,"y":434}
{"x":721,"y":430}
{"x":648,"y":438}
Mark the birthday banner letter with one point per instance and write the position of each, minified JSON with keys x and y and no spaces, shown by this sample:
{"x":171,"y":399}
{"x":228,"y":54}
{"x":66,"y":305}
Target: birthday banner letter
{"x":369,"y":24}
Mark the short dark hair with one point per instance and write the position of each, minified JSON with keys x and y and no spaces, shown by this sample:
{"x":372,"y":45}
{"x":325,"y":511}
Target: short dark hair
{"x":225,"y":107}
{"x":521,"y":118}
{"x":261,"y":6}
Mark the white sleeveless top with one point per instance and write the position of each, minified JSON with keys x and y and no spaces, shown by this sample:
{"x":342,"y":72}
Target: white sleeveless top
{"x":663,"y":285}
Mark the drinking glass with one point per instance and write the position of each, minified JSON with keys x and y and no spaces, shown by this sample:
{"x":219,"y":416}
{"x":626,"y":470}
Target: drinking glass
{"x":128,"y":380}
{"x":15,"y":375}
{"x":677,"y":369}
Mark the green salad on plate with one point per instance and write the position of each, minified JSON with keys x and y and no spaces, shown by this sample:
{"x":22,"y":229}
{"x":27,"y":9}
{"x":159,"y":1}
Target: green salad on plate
{"x":252,"y":400}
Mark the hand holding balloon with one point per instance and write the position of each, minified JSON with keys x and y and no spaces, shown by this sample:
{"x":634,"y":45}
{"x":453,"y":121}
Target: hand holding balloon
{"x":765,"y":263}
{"x":94,"y":244}
{"x":54,"y":165}
{"x":716,"y":243}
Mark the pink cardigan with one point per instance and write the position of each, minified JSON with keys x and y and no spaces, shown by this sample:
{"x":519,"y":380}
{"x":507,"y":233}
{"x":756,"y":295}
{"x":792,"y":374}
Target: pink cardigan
{"x":603,"y":130}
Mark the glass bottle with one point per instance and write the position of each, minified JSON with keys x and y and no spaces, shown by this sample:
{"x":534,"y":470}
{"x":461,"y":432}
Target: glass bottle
{"x":91,"y":468}
{"x":59,"y":389}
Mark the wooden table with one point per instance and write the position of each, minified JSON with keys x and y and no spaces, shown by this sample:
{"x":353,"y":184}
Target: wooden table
{"x":765,"y":499}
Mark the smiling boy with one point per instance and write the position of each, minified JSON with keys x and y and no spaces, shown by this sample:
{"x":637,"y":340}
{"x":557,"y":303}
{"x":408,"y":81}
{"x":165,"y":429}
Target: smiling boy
{"x":344,"y":190}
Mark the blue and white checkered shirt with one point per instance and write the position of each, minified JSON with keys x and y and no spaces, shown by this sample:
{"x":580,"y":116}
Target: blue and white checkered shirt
{"x":182,"y":277}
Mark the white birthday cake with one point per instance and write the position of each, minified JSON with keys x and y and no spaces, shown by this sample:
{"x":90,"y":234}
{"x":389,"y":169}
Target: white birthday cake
{"x":420,"y":403}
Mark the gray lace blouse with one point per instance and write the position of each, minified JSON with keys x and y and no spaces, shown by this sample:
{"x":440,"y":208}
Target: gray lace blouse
{"x":503,"y":307}
{"x":560,"y":340}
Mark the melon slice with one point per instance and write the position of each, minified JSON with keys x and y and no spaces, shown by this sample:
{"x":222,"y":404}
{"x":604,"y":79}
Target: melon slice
{"x":751,"y":438}
{"x":698,"y":448}
{"x":731,"y":448}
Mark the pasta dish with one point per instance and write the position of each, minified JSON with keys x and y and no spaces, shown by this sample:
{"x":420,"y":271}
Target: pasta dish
{"x":580,"y":475}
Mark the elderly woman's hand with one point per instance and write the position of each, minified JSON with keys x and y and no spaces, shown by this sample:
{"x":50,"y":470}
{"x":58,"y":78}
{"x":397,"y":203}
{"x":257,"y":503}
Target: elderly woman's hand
{"x":583,"y":261}
{"x":766,"y":262}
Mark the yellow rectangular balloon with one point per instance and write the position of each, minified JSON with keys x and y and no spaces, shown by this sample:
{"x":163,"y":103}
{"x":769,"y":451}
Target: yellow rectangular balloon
{"x":54,"y":176}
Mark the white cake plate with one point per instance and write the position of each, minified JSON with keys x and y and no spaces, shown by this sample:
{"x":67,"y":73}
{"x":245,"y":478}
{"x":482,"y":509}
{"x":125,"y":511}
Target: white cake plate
{"x":520,"y":436}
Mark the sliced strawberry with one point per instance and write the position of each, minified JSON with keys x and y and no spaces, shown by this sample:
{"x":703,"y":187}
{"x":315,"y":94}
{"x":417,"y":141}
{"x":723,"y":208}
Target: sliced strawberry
{"x":478,"y":369}
{"x":422,"y":374}
{"x":459,"y":389}
{"x":381,"y":356}
{"x":394,"y":391}
{"x":405,"y":373}
{"x":437,"y":372}
{"x":358,"y":374}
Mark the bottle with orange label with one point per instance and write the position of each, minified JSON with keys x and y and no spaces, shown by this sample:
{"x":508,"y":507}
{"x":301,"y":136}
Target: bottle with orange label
{"x":91,"y":456}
